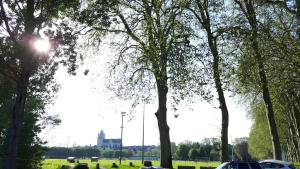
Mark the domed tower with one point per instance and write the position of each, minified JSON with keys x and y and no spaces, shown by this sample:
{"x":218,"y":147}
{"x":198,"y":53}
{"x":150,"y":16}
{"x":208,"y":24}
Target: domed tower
{"x":100,"y":140}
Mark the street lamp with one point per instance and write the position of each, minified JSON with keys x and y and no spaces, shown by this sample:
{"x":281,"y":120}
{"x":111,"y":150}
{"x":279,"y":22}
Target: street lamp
{"x":123,"y":114}
{"x":68,"y":146}
{"x":143,"y":146}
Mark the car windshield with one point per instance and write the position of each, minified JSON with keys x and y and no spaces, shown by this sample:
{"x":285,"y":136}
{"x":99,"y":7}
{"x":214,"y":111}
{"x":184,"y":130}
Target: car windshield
{"x":223,"y":165}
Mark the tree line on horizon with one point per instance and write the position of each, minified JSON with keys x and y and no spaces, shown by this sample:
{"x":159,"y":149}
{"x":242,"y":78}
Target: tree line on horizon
{"x":207,"y":150}
{"x":169,"y":51}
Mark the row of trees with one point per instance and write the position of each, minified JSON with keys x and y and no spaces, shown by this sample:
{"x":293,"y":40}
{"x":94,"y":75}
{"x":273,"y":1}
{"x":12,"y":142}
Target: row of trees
{"x":179,"y":49}
{"x":249,"y":47}
{"x":207,"y":150}
{"x":62,"y":152}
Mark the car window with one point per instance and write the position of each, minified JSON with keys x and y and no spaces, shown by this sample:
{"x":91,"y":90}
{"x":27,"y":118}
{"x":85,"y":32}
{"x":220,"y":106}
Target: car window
{"x":255,"y":166}
{"x":243,"y":166}
{"x":275,"y":165}
{"x":265,"y":165}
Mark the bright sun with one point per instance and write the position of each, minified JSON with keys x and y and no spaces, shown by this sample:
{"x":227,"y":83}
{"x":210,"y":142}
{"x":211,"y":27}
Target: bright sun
{"x":42,"y":45}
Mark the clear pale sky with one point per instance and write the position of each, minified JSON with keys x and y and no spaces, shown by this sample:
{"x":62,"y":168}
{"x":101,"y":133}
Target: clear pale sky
{"x":84,"y":108}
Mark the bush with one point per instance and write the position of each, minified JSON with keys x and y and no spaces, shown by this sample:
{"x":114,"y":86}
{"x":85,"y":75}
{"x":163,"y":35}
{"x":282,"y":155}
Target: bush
{"x":114,"y":165}
{"x":81,"y":166}
{"x":147,"y":163}
{"x":64,"y":167}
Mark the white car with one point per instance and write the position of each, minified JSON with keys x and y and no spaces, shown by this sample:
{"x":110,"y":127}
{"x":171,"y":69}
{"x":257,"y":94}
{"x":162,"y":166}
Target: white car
{"x":240,"y":165}
{"x":276,"y":164}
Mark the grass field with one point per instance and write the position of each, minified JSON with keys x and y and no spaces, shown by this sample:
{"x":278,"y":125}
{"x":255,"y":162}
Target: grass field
{"x":56,"y":164}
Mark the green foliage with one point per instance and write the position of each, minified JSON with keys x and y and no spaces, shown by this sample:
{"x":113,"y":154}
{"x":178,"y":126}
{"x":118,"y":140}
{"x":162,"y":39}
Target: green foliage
{"x":182,"y":152}
{"x":193,"y":154}
{"x":62,"y":152}
{"x":83,"y":152}
{"x":260,"y":146}
{"x":207,"y":150}
{"x":277,"y":42}
{"x":30,"y":150}
{"x":32,"y":71}
{"x":241,"y":149}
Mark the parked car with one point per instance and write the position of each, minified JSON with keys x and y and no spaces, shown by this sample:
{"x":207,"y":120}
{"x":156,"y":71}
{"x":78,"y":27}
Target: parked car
{"x":276,"y":164}
{"x":71,"y":159}
{"x":94,"y":159}
{"x":240,"y":165}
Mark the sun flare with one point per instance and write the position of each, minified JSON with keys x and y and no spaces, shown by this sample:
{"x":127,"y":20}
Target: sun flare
{"x":42,"y":45}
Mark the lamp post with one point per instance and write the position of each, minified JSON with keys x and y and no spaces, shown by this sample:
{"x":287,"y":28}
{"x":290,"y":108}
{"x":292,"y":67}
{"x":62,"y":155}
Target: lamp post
{"x":68,"y":146}
{"x":123,"y":114}
{"x":143,"y":133}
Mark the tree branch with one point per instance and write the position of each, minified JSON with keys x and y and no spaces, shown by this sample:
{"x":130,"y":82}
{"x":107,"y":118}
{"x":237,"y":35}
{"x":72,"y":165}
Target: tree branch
{"x":4,"y":17}
{"x":281,"y":4}
{"x":129,"y":31}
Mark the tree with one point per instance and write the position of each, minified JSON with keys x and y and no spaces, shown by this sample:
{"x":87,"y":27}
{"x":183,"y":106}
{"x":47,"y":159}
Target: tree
{"x":260,"y":146}
{"x":290,"y":6}
{"x":23,"y":22}
{"x":247,"y":8}
{"x":31,"y":148}
{"x":193,"y":154}
{"x":173,"y":149}
{"x":154,"y":54}
{"x":202,"y":10}
{"x":108,"y":153}
{"x":241,"y":149}
{"x":183,"y":152}
{"x":278,"y":41}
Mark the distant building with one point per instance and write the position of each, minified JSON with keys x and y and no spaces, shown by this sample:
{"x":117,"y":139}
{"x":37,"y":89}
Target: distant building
{"x":108,"y":143}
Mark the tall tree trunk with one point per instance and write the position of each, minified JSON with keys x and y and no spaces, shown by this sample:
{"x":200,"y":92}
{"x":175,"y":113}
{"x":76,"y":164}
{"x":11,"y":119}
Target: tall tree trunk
{"x":218,"y":85}
{"x":161,"y":115}
{"x":27,"y":65}
{"x":17,"y":117}
{"x":204,"y":19}
{"x":277,"y":154}
{"x":250,"y":13}
{"x":294,"y":142}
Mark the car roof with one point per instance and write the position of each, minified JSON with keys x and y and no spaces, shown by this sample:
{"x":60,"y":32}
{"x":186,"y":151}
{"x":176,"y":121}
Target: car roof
{"x":277,"y":161}
{"x":243,"y":162}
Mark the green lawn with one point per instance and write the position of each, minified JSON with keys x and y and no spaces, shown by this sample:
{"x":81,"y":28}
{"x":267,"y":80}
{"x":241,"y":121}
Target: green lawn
{"x":56,"y":164}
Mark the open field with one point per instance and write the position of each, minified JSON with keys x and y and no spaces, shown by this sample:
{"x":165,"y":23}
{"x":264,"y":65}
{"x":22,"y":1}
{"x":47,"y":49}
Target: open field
{"x":55,"y":164}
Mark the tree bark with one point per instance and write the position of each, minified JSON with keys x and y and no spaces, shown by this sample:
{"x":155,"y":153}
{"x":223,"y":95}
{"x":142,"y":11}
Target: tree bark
{"x":277,"y":154}
{"x":249,"y":11}
{"x":204,"y":18}
{"x":161,"y":115}
{"x":27,"y":65}
{"x":218,"y":85}
{"x":17,"y":117}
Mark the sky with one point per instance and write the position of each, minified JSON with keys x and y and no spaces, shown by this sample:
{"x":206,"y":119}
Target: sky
{"x":85,"y":109}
